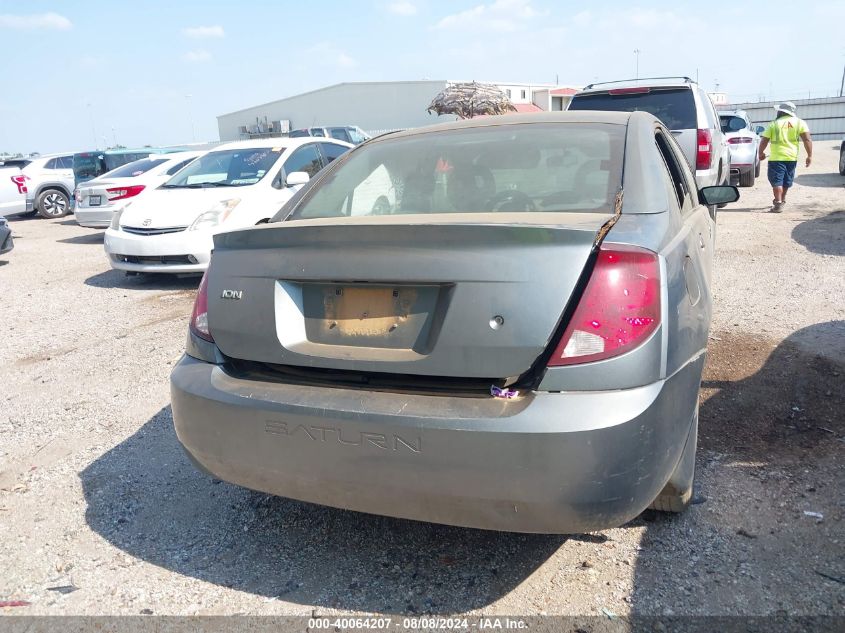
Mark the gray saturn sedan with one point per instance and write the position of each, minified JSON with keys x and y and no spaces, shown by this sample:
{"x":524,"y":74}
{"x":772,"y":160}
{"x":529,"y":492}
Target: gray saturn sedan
{"x":497,"y":323}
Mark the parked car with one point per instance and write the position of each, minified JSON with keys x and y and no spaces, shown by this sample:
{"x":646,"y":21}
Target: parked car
{"x":50,"y":185}
{"x":95,"y":163}
{"x":743,"y":143}
{"x":97,"y":200}
{"x":682,"y":105}
{"x":170,"y":229}
{"x":349,"y":133}
{"x":503,"y":340}
{"x":6,"y":242}
{"x":13,"y":189}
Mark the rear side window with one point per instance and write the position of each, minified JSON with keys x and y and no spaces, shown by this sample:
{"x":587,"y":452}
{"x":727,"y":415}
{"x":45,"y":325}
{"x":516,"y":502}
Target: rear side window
{"x":332,"y":151}
{"x":53,"y":163}
{"x":340,"y":134}
{"x":675,"y":107}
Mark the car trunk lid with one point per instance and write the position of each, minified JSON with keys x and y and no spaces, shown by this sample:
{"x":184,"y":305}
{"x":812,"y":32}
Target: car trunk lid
{"x":453,"y":298}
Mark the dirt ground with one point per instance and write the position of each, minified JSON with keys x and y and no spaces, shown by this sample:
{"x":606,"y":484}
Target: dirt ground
{"x":101,"y":513}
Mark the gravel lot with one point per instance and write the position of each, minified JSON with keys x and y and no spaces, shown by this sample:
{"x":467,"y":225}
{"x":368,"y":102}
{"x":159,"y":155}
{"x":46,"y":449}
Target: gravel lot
{"x":101,"y":513}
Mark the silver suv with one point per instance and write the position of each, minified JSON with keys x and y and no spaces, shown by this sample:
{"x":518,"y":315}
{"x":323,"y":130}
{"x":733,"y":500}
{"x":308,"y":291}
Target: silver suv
{"x":682,"y":105}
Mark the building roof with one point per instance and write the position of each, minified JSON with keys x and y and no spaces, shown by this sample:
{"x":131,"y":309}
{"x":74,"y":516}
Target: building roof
{"x":563,"y":91}
{"x":524,"y":108}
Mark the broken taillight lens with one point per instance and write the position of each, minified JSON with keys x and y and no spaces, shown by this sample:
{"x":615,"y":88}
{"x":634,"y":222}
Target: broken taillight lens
{"x":619,"y":310}
{"x":199,"y":316}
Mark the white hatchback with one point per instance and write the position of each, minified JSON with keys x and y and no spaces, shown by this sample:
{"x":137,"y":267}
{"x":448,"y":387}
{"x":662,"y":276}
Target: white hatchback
{"x":170,"y":229}
{"x":97,"y":200}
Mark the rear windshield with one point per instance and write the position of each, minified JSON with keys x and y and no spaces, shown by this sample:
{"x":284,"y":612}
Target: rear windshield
{"x":113,"y":161}
{"x":227,"y":168}
{"x":136,"y":168}
{"x":504,"y":168}
{"x":732,"y":123}
{"x":675,"y":107}
{"x":88,"y":165}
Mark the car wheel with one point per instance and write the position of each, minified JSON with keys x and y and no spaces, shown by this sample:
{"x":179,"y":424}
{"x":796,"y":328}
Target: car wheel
{"x":842,"y":159}
{"x":677,"y":493}
{"x":52,"y":203}
{"x":746,"y":179}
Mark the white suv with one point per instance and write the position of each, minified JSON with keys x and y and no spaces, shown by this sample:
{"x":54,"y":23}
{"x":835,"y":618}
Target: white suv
{"x":50,"y":185}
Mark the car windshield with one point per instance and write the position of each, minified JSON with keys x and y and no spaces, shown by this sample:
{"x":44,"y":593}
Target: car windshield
{"x":675,"y":107}
{"x":732,"y":123}
{"x":88,"y":165}
{"x":135,"y":168}
{"x":228,"y":168}
{"x":501,"y":168}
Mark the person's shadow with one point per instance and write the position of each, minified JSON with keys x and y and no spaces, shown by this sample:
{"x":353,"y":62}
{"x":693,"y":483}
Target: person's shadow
{"x":824,"y":235}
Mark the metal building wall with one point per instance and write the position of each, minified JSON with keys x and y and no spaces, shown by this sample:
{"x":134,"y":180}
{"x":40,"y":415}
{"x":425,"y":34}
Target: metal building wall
{"x":825,"y":117}
{"x":373,"y":106}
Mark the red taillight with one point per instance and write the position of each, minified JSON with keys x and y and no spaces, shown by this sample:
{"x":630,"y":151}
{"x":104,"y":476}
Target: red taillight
{"x":705,"y":150}
{"x":199,"y":316}
{"x":619,"y":310}
{"x":20,"y":182}
{"x":737,"y":140}
{"x":119,"y":193}
{"x":629,"y":91}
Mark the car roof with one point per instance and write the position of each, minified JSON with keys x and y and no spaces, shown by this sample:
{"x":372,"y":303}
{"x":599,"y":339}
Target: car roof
{"x":578,"y":116}
{"x":732,"y":113}
{"x":277,"y":141}
{"x":646,"y":82}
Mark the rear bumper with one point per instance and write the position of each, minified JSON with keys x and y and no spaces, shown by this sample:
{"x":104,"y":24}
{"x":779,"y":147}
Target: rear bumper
{"x":93,"y":217}
{"x":546,"y":462}
{"x":169,"y":253}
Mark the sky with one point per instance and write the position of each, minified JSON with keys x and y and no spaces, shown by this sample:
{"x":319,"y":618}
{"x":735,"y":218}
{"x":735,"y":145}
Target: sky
{"x":73,"y":73}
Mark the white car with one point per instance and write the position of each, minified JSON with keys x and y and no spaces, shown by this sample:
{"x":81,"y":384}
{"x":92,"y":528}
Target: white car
{"x":171,"y":229}
{"x":50,"y":185}
{"x":99,"y":199}
{"x":13,"y":189}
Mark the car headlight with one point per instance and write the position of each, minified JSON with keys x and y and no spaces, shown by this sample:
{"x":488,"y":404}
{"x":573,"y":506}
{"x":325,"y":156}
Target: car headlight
{"x":215,"y":215}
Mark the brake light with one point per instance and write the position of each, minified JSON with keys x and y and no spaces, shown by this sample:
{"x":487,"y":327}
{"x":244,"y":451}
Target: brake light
{"x":20,"y":182}
{"x":737,"y":140}
{"x":629,"y":91}
{"x":119,"y":193}
{"x":619,"y":310}
{"x":705,"y":150}
{"x":199,"y":316}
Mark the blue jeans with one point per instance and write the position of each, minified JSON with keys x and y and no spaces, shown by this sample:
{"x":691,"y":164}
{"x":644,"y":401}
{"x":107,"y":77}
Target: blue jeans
{"x":782,"y":173}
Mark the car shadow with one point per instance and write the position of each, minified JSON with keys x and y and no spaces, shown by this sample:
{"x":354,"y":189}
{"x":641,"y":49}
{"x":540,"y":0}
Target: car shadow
{"x":731,"y":209}
{"x":824,"y":235}
{"x":820,"y":180}
{"x":90,"y":238}
{"x":151,"y":281}
{"x":146,"y":498}
{"x":764,"y":438}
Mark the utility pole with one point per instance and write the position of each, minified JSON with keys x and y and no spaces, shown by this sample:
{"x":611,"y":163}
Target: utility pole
{"x":842,"y":83}
{"x":637,"y":63}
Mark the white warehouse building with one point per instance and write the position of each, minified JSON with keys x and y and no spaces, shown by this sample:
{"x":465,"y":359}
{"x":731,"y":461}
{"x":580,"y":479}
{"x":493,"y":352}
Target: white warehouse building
{"x":373,"y":106}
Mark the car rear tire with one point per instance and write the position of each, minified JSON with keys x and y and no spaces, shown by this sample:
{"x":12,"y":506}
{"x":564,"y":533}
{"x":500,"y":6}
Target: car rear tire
{"x":757,"y":170}
{"x":842,"y":159}
{"x":677,"y":493}
{"x":746,"y":179}
{"x":52,"y":203}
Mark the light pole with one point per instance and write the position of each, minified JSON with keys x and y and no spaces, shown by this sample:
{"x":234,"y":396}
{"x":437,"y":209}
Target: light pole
{"x":114,"y":137}
{"x":191,"y":118}
{"x":637,"y":63}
